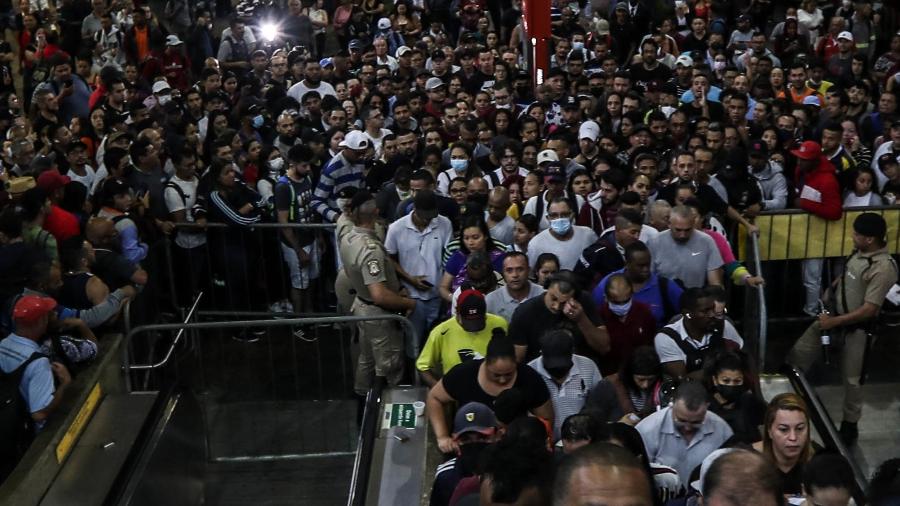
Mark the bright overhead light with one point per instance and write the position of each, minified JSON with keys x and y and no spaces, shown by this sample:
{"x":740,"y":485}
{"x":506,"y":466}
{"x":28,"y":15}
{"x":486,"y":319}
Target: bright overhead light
{"x":269,"y":31}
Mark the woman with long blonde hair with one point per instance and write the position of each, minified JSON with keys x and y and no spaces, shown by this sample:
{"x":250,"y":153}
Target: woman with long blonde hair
{"x":787,"y":441}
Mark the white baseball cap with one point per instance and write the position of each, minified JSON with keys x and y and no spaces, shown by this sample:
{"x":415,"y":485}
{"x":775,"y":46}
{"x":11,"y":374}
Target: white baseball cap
{"x":355,"y":140}
{"x":547,"y":155}
{"x":159,"y":86}
{"x":173,"y":40}
{"x":845,"y":35}
{"x":685,"y":60}
{"x":402,"y":50}
{"x":384,"y":23}
{"x":589,"y":130}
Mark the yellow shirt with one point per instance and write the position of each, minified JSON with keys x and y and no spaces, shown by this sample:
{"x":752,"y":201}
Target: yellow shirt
{"x":449,"y":344}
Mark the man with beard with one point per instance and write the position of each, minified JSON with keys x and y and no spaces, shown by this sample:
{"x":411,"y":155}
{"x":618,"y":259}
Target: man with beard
{"x":287,"y":133}
{"x":344,"y":170}
{"x":312,"y":82}
{"x":772,"y":183}
{"x":474,"y":428}
{"x":507,"y":155}
{"x":568,"y":376}
{"x":682,"y":253}
{"x":649,"y":70}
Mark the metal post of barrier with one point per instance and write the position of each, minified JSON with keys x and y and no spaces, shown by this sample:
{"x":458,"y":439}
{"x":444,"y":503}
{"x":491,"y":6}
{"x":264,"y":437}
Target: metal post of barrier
{"x":763,"y":311}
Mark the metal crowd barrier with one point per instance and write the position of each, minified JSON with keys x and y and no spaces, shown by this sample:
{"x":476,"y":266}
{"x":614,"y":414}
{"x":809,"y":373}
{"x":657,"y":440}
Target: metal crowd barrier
{"x":794,"y":234}
{"x":190,"y":271}
{"x":281,"y":398}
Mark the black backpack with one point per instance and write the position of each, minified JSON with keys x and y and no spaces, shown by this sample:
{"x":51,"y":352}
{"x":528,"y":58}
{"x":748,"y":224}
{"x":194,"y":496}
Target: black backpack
{"x":15,"y":422}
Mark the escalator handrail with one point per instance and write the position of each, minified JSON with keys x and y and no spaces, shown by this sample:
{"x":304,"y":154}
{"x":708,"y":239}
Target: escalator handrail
{"x":362,"y":464}
{"x":825,"y":427}
{"x":763,"y":315}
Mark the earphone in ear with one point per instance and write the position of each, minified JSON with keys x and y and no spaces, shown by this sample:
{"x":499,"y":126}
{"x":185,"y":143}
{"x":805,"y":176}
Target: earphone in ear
{"x":688,"y":316}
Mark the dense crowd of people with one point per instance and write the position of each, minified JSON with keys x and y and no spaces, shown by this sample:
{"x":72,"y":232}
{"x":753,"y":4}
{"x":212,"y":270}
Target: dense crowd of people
{"x":563,"y":248}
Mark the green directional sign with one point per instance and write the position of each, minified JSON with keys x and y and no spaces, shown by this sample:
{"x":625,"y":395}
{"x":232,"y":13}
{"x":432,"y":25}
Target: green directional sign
{"x":399,"y":415}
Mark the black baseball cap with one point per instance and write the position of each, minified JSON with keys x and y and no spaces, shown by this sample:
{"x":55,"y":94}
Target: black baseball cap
{"x":556,"y":349}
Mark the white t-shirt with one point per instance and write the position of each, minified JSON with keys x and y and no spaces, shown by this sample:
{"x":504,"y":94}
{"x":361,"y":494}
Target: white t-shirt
{"x":567,"y":251}
{"x":669,"y":351}
{"x":298,"y":90}
{"x":87,"y":179}
{"x":186,"y":239}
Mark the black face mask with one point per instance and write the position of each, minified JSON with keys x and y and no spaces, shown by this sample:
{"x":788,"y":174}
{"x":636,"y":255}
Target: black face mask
{"x":785,"y":135}
{"x":597,"y":92}
{"x":480,"y":199}
{"x":558,"y":372}
{"x":731,"y":393}
{"x":469,"y":454}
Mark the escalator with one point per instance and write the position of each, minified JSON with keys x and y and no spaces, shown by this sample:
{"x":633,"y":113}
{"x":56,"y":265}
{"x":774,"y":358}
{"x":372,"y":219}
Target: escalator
{"x":825,"y":434}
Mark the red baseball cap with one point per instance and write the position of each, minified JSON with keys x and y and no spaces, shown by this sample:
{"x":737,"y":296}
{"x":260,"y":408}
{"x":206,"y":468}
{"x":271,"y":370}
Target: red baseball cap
{"x":31,"y":308}
{"x":51,"y":180}
{"x":808,"y":150}
{"x":472,"y":309}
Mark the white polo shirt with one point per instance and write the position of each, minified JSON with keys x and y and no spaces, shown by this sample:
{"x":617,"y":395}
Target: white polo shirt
{"x":419,"y":252}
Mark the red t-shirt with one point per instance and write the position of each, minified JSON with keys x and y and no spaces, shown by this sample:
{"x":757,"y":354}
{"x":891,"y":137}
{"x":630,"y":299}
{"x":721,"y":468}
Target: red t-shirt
{"x":61,"y":224}
{"x":638,"y":329}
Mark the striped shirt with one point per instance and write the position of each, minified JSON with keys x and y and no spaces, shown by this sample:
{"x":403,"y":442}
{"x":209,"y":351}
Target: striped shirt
{"x":568,"y":398}
{"x":337,"y":175}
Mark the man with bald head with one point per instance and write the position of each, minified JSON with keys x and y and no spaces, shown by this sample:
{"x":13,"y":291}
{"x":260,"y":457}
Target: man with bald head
{"x":499,"y":223}
{"x":630,"y":323}
{"x":477,"y":191}
{"x":741,"y":478}
{"x":602,"y":473}
{"x":110,"y":266}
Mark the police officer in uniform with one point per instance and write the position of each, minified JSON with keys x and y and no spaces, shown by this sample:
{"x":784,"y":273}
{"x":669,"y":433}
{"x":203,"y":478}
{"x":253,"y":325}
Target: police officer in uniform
{"x":869,"y":274}
{"x":372,"y":276}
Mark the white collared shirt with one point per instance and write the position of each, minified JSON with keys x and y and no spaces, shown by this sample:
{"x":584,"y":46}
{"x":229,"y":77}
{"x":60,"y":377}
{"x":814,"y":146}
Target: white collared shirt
{"x":419,"y":252}
{"x":568,"y":398}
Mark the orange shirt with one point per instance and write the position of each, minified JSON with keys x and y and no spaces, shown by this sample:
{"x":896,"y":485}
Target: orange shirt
{"x":142,"y":41}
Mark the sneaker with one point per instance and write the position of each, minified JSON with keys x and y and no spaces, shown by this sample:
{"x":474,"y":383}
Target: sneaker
{"x":276,"y":307}
{"x":849,"y":433}
{"x":243,"y":336}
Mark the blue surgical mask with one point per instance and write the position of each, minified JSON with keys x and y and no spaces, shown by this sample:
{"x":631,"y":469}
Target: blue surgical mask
{"x":561,"y":225}
{"x":578,"y":46}
{"x":620,"y":309}
{"x":459,"y":165}
{"x":258,"y":121}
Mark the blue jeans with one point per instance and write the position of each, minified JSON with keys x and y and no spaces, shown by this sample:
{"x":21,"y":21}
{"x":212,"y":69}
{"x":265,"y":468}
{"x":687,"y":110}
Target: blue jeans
{"x":422,"y":318}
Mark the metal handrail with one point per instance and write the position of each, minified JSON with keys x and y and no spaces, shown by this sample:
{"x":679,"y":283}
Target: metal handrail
{"x":325,"y":320}
{"x":763,"y":310}
{"x":175,"y":341}
{"x":362,"y":464}
{"x":190,"y":225}
{"x":820,"y":415}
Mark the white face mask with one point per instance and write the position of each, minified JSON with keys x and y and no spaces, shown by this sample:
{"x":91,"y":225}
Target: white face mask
{"x":276,"y":164}
{"x":164,"y":99}
{"x":404,"y":194}
{"x":719,"y":65}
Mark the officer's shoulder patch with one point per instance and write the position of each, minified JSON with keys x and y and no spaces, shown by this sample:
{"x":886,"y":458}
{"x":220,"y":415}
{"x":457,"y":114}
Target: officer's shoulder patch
{"x":374,"y":267}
